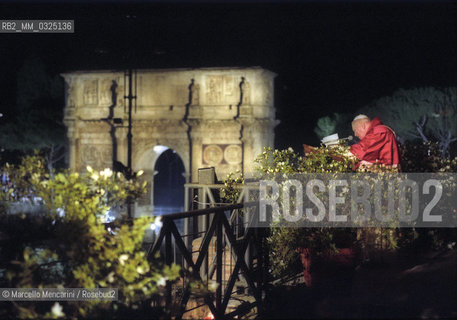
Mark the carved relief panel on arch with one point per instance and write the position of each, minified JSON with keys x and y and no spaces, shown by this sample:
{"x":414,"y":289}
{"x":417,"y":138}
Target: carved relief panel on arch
{"x":90,"y":92}
{"x":214,"y":87}
{"x":98,"y":157}
{"x":222,"y":89}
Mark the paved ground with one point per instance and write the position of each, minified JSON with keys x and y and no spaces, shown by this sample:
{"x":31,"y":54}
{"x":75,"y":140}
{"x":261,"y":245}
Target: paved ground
{"x":398,"y":285}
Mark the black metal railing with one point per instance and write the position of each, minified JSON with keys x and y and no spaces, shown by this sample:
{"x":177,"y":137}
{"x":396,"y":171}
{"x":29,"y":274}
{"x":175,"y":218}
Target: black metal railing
{"x":246,"y":251}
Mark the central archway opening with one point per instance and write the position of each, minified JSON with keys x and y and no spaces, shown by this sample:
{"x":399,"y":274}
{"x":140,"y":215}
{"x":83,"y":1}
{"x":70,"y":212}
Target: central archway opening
{"x":169,"y":182}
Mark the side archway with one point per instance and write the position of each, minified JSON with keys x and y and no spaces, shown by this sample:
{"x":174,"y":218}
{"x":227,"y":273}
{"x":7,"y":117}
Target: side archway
{"x":165,"y":173}
{"x":169,"y":180}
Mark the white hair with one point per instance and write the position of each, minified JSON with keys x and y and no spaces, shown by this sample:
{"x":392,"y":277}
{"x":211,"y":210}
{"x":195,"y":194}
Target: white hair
{"x":361,"y":116}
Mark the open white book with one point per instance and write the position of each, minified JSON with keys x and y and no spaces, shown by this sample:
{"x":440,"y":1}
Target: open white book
{"x":331,"y":140}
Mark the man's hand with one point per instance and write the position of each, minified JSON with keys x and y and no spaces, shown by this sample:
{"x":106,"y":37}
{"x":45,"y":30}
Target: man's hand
{"x":365,"y":163}
{"x":349,"y":154}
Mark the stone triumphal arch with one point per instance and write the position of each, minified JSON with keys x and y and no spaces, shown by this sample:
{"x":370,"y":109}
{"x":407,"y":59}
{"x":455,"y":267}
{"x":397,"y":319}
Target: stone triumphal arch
{"x":212,"y":117}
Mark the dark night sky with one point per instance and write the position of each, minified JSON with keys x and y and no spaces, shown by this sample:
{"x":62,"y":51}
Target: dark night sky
{"x":333,"y":56}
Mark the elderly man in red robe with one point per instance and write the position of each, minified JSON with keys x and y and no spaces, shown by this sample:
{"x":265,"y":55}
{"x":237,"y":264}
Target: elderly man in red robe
{"x":377,"y":151}
{"x":377,"y":144}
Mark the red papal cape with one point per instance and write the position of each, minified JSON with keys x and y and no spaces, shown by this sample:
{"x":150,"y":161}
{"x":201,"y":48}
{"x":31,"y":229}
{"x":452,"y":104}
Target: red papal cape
{"x":378,"y":146}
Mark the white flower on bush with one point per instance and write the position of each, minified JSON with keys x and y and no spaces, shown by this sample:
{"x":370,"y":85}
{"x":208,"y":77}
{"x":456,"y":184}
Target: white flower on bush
{"x":110,"y":277}
{"x":123,"y":258}
{"x":60,"y":212}
{"x":162,"y":281}
{"x":140,"y":270}
{"x":57,"y":310}
{"x":107,"y":173}
{"x":213,"y":285}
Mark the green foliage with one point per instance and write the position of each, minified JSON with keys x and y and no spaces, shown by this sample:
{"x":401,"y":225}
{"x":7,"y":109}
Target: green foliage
{"x":79,"y":250}
{"x":284,"y":242}
{"x":425,"y":157}
{"x":231,"y":190}
{"x":272,"y":162}
{"x":336,"y":123}
{"x":427,"y":114}
{"x":405,"y":107}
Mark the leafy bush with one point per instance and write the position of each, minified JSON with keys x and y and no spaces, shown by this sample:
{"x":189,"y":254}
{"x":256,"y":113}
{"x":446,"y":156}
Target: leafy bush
{"x":70,"y":246}
{"x":425,"y":157}
{"x":284,"y":242}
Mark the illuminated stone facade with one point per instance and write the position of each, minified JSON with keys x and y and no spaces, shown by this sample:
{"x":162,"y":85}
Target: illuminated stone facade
{"x":220,"y":117}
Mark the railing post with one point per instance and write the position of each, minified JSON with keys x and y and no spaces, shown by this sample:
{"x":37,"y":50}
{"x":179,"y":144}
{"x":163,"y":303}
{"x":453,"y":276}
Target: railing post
{"x":260,"y":268}
{"x":247,"y":254}
{"x":204,"y":228}
{"x":219,"y":253}
{"x":203,"y":222}
{"x":168,"y":261}
{"x":187,"y":239}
